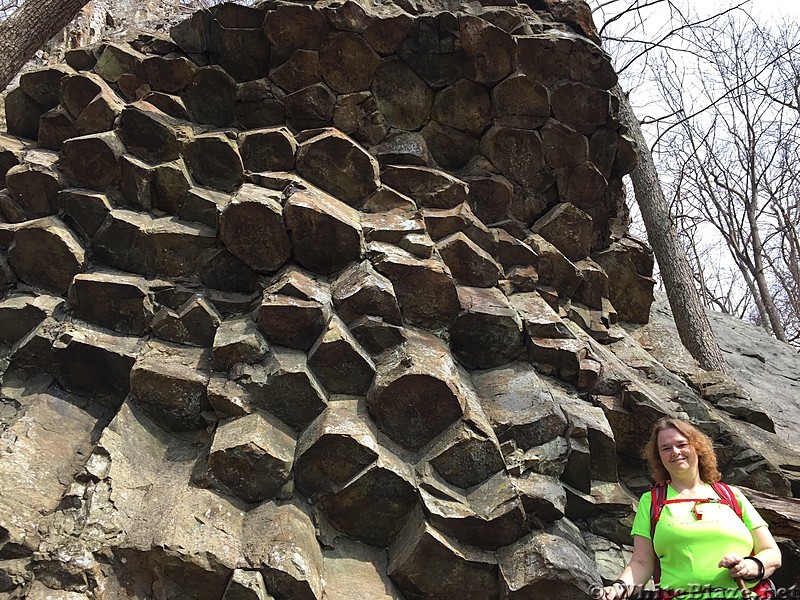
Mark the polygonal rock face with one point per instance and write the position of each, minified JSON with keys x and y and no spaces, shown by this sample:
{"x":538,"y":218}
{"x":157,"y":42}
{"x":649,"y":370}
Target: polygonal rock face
{"x":279,"y":541}
{"x":520,"y":405}
{"x":310,"y":107}
{"x":325,"y":233}
{"x":335,"y":448}
{"x":214,"y":161}
{"x":488,"y":332}
{"x":469,"y":264}
{"x":348,"y":63}
{"x":292,"y":322}
{"x":428,"y":187}
{"x":113,"y":301}
{"x":268,"y":149}
{"x":517,"y":153}
{"x":211,"y":96}
{"x":415,"y":395}
{"x":141,"y":244}
{"x":252,"y":228}
{"x":422,"y":563}
{"x":46,"y":253}
{"x":237,"y":341}
{"x":489,"y":517}
{"x":373,"y":505}
{"x":98,"y":173}
{"x":194,"y":323}
{"x":361,"y":290}
{"x":465,"y":456}
{"x":252,"y":456}
{"x":533,"y":568}
{"x":339,"y":166}
{"x":150,"y":134}
{"x":492,"y":50}
{"x":169,"y":385}
{"x":521,"y":101}
{"x":424,"y":288}
{"x":35,"y":188}
{"x":402,"y":96}
{"x":339,"y":362}
{"x":286,"y":387}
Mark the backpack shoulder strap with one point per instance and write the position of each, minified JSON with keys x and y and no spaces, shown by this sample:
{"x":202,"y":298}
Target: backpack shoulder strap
{"x":658,"y":496}
{"x":724,"y":491}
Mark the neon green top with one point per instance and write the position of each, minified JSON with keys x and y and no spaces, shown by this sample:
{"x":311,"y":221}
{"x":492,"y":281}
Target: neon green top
{"x":689,"y":549}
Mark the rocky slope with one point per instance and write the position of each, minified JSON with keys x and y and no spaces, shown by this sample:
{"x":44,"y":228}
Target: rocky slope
{"x":315,"y":301}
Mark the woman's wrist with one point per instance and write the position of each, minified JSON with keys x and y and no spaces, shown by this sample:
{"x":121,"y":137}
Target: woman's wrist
{"x":623,"y":587}
{"x":759,"y":573}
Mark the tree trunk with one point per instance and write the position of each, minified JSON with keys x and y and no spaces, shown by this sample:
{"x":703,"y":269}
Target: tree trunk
{"x":28,"y":29}
{"x":690,"y":317}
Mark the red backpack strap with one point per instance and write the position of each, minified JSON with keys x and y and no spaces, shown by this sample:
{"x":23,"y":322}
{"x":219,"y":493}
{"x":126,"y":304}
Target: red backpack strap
{"x":658,"y":496}
{"x":727,"y":496}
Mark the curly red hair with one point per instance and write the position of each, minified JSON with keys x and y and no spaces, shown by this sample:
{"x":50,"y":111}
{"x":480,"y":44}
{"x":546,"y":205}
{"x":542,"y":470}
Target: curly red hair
{"x":706,"y":457}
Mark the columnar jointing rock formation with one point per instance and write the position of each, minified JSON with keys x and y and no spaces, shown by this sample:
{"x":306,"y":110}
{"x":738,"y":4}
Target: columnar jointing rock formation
{"x":308,"y":301}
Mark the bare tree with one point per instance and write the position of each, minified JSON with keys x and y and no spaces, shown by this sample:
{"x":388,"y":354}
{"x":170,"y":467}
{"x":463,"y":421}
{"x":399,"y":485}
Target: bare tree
{"x":676,"y":272}
{"x":737,"y":159}
{"x":28,"y":28}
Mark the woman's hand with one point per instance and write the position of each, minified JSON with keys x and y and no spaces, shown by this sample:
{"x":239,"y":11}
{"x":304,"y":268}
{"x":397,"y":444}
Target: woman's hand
{"x":739,"y":567}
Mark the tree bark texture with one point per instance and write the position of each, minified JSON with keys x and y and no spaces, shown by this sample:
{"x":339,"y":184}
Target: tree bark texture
{"x":28,"y":29}
{"x":690,"y":317}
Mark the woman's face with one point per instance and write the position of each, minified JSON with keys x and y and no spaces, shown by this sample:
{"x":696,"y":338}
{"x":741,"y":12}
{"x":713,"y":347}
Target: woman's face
{"x":677,"y":455}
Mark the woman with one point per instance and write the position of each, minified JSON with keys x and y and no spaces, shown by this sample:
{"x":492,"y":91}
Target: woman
{"x":699,"y":542}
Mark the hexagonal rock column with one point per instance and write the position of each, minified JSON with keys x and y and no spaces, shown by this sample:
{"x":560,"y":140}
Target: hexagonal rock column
{"x":45,"y":253}
{"x":98,"y":173}
{"x":338,"y":165}
{"x":465,"y":455}
{"x":35,"y":186}
{"x":361,"y":290}
{"x":568,"y":228}
{"x":94,"y":363}
{"x":553,"y":267}
{"x":169,"y":384}
{"x":539,"y":320}
{"x":520,"y":405}
{"x":488,"y":332}
{"x":339,"y":361}
{"x":337,"y":446}
{"x":139,"y":243}
{"x":285,"y":387}
{"x":428,"y":187}
{"x":280,"y":542}
{"x":490,"y":516}
{"x":374,"y":504}
{"x":325,"y":233}
{"x":194,"y":323}
{"x":425,"y":564}
{"x":214,"y":161}
{"x":237,"y":341}
{"x":289,"y":321}
{"x":468,"y":262}
{"x":545,"y":566}
{"x":267,"y":149}
{"x":629,"y":264}
{"x":416,"y":393}
{"x":112,"y":300}
{"x":424,"y":287}
{"x":150,"y":134}
{"x":252,"y":228}
{"x":252,"y":456}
